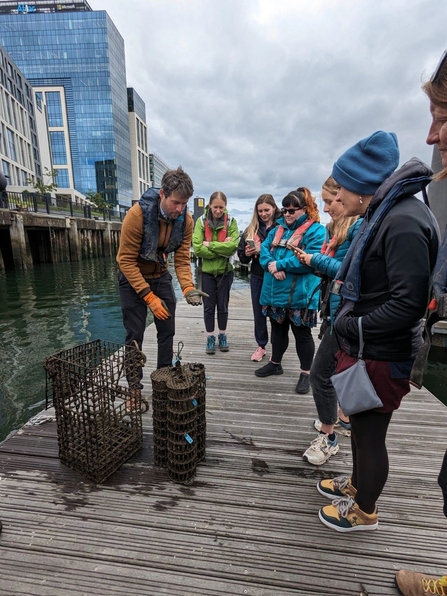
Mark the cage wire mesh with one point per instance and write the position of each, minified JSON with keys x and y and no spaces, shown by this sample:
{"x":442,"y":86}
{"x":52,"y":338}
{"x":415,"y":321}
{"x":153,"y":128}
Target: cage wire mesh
{"x":95,"y":390}
{"x":182,"y":426}
{"x":179,"y":423}
{"x":159,"y":379}
{"x":197,"y":370}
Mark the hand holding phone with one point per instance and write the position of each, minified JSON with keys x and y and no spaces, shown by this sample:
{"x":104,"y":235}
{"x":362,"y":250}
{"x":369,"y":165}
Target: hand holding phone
{"x":296,"y":250}
{"x":250,"y":242}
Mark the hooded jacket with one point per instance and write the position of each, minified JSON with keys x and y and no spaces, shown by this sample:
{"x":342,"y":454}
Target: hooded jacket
{"x":299,"y":289}
{"x":386,"y":272}
{"x":329,"y":266}
{"x":216,"y":256}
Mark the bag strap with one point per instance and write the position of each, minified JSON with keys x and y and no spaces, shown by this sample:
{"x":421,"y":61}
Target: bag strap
{"x":361,"y":342}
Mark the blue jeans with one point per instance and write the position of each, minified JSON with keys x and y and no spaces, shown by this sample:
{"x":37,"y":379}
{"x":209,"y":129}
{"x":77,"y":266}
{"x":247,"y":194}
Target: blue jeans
{"x":323,"y":367}
{"x":261,"y":333}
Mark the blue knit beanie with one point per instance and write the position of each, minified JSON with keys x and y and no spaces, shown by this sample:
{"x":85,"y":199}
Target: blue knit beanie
{"x":368,"y":163}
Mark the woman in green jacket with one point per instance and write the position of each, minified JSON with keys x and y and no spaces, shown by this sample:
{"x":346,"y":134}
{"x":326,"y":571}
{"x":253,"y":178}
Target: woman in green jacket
{"x":215,"y":240}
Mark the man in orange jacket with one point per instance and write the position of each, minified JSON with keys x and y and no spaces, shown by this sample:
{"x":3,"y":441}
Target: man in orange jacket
{"x":154,"y":227}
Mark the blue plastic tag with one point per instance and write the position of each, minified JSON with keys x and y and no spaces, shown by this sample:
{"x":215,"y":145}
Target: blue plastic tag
{"x":194,"y":402}
{"x":189,"y":439}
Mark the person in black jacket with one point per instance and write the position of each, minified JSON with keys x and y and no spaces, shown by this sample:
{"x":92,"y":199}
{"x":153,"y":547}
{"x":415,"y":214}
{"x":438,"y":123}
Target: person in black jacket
{"x":265,"y":214}
{"x":377,"y":283}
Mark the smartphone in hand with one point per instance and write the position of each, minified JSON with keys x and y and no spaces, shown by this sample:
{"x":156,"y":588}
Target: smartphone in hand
{"x":295,"y":249}
{"x":250,"y":242}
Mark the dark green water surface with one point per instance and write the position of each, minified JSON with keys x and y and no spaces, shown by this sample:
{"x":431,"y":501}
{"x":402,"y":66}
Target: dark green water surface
{"x":45,"y":310}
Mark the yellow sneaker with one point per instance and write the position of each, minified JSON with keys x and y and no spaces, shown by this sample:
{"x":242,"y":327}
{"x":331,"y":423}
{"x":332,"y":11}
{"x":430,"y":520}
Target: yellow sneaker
{"x":410,"y":583}
{"x":344,"y":515}
{"x":340,"y":486}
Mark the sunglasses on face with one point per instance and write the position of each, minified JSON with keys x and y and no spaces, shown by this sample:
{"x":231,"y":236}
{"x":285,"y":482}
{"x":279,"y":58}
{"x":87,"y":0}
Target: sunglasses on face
{"x":437,"y":72}
{"x":292,"y":210}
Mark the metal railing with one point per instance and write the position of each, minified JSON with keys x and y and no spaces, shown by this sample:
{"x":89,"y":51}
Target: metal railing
{"x":43,"y":203}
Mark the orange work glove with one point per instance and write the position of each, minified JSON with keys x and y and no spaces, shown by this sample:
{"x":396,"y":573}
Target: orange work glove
{"x":194,"y":296}
{"x":157,"y":306}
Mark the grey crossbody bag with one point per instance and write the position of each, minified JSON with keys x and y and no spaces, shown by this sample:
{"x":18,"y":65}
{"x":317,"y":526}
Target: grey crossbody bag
{"x":353,"y":386}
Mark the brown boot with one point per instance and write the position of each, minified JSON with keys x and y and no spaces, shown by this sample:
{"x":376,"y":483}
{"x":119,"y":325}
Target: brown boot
{"x":410,"y":583}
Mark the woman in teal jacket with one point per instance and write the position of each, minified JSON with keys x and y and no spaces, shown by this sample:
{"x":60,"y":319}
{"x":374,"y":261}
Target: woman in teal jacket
{"x":339,"y":235}
{"x":215,"y":240}
{"x":290,"y":289}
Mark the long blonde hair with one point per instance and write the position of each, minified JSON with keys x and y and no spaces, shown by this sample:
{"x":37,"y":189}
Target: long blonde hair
{"x":436,"y":90}
{"x":339,"y":228}
{"x":253,"y":226}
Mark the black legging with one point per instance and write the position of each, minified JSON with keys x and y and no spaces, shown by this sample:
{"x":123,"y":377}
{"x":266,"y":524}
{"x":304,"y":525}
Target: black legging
{"x":369,"y":456}
{"x":304,"y":342}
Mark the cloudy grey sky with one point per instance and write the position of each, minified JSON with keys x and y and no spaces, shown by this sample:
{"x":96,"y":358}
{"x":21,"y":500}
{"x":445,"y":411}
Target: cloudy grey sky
{"x":255,"y":96}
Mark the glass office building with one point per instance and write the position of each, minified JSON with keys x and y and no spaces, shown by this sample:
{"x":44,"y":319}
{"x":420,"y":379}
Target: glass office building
{"x":157,"y":169}
{"x":60,"y":44}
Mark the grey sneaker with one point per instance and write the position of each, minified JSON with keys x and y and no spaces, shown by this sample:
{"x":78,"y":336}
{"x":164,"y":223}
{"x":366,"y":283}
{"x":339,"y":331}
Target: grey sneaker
{"x":211,"y":344}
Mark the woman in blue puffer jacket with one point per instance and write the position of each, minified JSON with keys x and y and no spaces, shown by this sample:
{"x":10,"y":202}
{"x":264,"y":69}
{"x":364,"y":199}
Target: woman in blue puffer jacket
{"x":289,"y":293}
{"x":339,"y":235}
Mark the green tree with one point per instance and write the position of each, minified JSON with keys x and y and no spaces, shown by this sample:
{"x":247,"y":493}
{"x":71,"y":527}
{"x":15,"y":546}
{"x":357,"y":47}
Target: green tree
{"x":50,"y":176}
{"x":98,"y":199}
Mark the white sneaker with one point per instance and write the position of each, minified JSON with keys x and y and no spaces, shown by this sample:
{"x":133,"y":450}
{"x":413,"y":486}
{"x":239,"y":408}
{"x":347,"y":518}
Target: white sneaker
{"x":320,"y":450}
{"x":340,"y":427}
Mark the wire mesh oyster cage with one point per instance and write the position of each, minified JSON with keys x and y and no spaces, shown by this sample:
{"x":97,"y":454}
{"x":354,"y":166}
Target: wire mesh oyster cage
{"x":179,"y":423}
{"x":95,"y":390}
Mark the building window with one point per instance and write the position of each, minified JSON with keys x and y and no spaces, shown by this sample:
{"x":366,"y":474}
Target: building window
{"x":62,"y":179}
{"x":24,"y":177}
{"x":8,"y":108}
{"x":39,"y":101}
{"x":54,"y":108}
{"x":58,"y":148}
{"x":11,"y":143}
{"x":5,"y":168}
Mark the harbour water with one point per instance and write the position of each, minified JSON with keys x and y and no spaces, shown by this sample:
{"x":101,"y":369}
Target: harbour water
{"x":48,"y":309}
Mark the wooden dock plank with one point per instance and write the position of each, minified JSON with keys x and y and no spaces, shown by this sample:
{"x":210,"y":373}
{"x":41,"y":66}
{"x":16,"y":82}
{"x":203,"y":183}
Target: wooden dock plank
{"x":248,"y":524}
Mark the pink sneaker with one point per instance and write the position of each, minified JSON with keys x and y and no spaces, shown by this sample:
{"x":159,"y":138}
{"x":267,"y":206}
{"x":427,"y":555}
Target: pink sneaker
{"x":258,"y":354}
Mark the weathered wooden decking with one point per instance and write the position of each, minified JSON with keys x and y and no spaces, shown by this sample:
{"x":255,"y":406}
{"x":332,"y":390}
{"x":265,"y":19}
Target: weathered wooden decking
{"x":248,"y":524}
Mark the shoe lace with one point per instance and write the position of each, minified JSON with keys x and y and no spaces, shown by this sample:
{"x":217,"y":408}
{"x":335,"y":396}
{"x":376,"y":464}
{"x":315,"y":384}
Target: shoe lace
{"x":344,"y":505}
{"x":341,"y":482}
{"x":319,"y":442}
{"x":259,"y":351}
{"x":211,"y":341}
{"x":435,"y":586}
